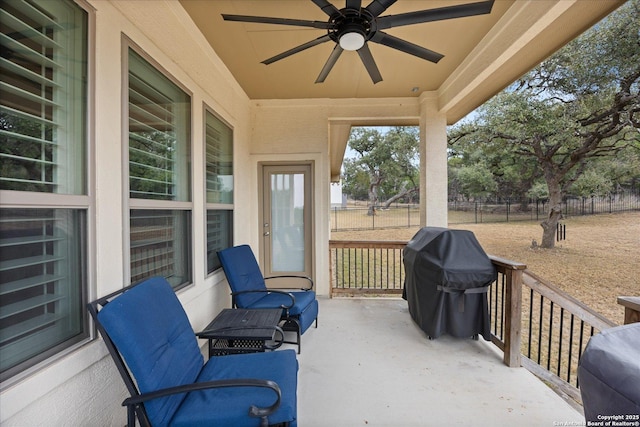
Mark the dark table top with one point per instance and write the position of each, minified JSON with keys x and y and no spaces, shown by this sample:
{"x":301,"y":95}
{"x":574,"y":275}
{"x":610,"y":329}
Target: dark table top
{"x":241,"y":323}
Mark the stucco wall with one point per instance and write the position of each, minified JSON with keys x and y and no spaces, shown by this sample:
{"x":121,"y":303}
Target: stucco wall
{"x":298,"y":130}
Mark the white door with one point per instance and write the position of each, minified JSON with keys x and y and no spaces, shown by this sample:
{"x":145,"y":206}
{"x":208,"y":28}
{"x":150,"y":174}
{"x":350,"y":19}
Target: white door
{"x":286,"y":221}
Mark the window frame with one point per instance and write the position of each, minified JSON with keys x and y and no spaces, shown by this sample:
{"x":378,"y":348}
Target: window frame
{"x":84,"y":202}
{"x":213,"y":206}
{"x":130,"y":204}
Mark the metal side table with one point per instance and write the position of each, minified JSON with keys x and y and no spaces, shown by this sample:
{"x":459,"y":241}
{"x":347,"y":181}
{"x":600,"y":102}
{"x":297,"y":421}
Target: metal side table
{"x":239,"y":330}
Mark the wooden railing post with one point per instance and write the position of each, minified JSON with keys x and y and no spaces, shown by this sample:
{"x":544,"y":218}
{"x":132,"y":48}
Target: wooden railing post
{"x":512,"y":308}
{"x":513,"y":318}
{"x":631,"y":309}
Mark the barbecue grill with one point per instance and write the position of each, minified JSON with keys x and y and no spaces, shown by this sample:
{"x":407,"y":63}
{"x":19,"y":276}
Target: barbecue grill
{"x":447,"y":278}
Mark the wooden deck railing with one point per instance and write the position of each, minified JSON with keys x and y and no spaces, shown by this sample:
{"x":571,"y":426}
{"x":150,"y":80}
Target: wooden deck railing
{"x":555,"y":333}
{"x":366,"y":267}
{"x":533,"y":322}
{"x":505,"y":308}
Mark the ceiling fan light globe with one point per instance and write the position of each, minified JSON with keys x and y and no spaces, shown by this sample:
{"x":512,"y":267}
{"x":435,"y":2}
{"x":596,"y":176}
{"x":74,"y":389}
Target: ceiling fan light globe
{"x":351,"y":41}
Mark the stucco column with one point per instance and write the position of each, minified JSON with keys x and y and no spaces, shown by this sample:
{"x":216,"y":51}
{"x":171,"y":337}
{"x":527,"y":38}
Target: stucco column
{"x":433,"y":162}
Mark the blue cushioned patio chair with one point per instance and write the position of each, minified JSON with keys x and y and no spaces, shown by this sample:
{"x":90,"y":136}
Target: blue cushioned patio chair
{"x":249,"y":290}
{"x":156,"y":352}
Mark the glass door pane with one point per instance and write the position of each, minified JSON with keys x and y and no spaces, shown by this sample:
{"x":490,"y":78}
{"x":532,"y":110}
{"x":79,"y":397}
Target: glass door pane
{"x":287,"y":222}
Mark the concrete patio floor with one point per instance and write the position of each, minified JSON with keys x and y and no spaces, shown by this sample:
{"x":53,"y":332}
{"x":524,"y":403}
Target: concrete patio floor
{"x":368,"y":364}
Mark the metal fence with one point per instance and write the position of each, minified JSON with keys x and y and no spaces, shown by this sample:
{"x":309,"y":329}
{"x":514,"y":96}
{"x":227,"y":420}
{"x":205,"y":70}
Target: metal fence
{"x":465,"y":212}
{"x":461,"y":212}
{"x":343,"y":219}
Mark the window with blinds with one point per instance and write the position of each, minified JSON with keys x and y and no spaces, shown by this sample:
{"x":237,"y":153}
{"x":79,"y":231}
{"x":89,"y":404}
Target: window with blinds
{"x":42,"y":274}
{"x":43,"y":146}
{"x":43,"y":86}
{"x":159,"y":175}
{"x":219,"y":185}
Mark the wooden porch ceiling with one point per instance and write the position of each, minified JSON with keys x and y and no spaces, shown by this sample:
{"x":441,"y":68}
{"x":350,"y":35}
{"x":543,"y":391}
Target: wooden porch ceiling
{"x":482,"y":54}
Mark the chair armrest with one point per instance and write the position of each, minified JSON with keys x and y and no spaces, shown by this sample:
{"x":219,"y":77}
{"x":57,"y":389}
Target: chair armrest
{"x":288,"y":276}
{"x":254,"y":411}
{"x":269,"y":291}
{"x":279,"y":341}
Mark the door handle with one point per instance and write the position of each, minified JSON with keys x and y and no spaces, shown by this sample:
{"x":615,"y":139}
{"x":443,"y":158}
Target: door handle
{"x":266,"y":233}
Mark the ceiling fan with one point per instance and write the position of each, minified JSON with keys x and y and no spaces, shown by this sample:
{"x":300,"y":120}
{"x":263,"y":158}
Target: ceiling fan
{"x":352,"y":27}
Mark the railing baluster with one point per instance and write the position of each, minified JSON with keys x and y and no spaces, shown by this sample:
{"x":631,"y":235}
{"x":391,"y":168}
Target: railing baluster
{"x":349,"y":264}
{"x":375,"y":267}
{"x":580,"y":347}
{"x":338,"y":267}
{"x":393,"y":272}
{"x":570,"y":349}
{"x":540,"y":329}
{"x":560,"y":340}
{"x":397,"y":270}
{"x":491,"y":305}
{"x":363,"y":270}
{"x":550,"y":335}
{"x":342,"y":272}
{"x":502,"y":292}
{"x":393,"y":278}
{"x":530,"y":323}
{"x":495,"y":313}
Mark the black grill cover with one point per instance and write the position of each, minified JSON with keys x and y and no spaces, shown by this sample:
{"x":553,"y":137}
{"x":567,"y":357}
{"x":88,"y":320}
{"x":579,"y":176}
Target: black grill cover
{"x":609,"y":375}
{"x":446,"y":283}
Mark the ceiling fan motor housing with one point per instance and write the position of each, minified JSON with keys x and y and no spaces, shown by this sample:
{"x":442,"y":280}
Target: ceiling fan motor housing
{"x":351,"y":26}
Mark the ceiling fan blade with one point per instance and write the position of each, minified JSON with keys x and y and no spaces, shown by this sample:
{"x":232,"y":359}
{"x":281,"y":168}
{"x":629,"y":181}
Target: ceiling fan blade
{"x":354,"y":4}
{"x":326,"y":7}
{"x":369,"y":63}
{"x":335,"y":54}
{"x":405,"y":46}
{"x":439,"y":14}
{"x":376,"y":7}
{"x":279,"y":21}
{"x":297,"y":49}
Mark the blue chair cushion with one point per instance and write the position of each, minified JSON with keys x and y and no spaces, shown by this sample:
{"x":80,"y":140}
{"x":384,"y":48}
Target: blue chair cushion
{"x":308,"y":316}
{"x":305,"y":308}
{"x":243,"y":273}
{"x":226,"y":406}
{"x":161,"y":350}
{"x":276,"y":299}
